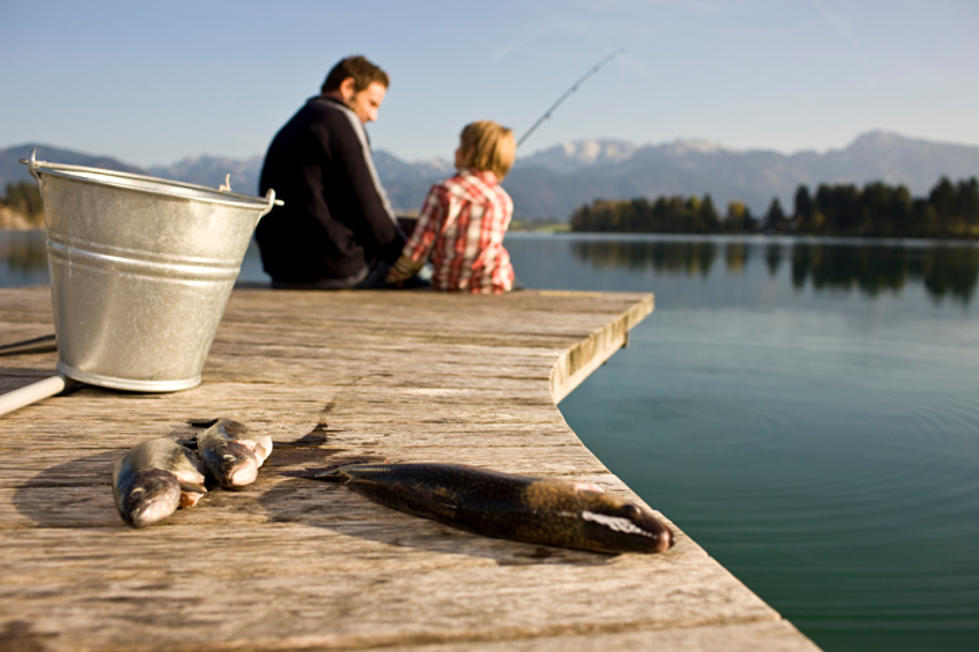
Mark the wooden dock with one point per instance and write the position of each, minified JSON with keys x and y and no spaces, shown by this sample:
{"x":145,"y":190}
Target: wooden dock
{"x":290,"y":563}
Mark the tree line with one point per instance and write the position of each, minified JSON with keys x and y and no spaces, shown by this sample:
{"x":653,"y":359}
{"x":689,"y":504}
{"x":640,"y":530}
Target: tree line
{"x":951,"y":210}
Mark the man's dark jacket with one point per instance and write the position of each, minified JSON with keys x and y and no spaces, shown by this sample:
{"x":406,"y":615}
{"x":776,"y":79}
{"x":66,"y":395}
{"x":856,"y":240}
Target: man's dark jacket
{"x":336,"y":222}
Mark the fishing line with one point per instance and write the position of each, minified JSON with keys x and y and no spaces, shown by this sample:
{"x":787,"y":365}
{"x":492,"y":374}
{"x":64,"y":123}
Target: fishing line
{"x":574,"y":87}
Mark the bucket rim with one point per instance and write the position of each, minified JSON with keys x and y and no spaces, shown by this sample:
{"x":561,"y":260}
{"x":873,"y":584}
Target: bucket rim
{"x":150,"y":184}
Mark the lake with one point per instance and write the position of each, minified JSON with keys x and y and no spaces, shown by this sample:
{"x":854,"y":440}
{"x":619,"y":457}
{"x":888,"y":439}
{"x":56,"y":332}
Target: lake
{"x":806,"y":409}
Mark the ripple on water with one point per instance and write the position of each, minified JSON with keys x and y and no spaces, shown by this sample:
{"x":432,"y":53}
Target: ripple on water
{"x":838,"y":521}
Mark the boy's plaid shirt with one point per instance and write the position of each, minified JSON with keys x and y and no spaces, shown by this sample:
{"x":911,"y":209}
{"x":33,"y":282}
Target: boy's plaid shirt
{"x":460,"y":229}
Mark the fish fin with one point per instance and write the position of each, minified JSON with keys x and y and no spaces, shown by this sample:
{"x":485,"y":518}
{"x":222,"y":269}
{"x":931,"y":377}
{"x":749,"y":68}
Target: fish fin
{"x":188,"y":442}
{"x":263,"y":448}
{"x":202,"y":423}
{"x":191,"y":494}
{"x":326,"y":474}
{"x":587,"y":488}
{"x":232,"y":427}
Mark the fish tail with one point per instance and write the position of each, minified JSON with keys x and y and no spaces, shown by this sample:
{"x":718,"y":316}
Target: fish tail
{"x":335,"y":474}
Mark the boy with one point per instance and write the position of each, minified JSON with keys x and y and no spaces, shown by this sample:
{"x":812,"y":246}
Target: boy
{"x":464,"y":219}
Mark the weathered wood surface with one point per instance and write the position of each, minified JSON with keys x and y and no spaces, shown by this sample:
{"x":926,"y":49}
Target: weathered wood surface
{"x":293,"y":563}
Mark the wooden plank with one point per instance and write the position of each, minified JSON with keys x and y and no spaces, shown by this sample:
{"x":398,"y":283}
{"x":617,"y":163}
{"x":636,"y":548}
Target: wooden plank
{"x":289,"y":562}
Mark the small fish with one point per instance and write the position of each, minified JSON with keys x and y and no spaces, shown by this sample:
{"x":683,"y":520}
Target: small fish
{"x":155,"y":478}
{"x":551,"y":512}
{"x":232,"y":455}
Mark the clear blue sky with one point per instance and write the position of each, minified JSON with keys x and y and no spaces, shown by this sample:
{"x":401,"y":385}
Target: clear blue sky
{"x":153,"y":82}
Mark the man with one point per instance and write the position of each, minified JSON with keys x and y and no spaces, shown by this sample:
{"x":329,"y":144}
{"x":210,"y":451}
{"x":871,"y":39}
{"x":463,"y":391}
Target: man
{"x":336,"y":229}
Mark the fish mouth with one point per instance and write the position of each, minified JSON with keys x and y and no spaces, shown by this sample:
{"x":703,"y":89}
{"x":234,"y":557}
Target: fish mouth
{"x":151,"y":511}
{"x":662,"y":535}
{"x":232,"y":465}
{"x":147,"y":497}
{"x":243,"y":474}
{"x":632,"y":522}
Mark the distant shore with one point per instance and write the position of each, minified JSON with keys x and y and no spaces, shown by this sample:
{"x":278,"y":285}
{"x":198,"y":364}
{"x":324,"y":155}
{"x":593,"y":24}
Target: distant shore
{"x":14,"y":221}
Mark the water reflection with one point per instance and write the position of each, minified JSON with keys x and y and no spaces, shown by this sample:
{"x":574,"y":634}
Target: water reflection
{"x":873,"y":270}
{"x":670,"y":256}
{"x":773,"y":258}
{"x":945,"y":270}
{"x":735,"y":256}
{"x":23,"y":259}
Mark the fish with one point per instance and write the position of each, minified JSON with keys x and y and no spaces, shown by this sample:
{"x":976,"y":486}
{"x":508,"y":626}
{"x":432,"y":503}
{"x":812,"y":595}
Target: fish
{"x":155,"y":478}
{"x":543,"y":511}
{"x":231,"y":454}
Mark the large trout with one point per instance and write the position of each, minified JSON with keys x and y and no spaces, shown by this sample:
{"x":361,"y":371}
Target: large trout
{"x":551,"y":512}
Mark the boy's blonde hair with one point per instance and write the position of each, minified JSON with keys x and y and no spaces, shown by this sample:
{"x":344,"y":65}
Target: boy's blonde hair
{"x":488,"y":146}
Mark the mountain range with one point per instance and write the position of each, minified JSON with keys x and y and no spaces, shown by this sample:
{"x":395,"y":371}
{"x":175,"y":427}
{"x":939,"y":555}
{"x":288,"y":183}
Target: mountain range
{"x":550,"y":184}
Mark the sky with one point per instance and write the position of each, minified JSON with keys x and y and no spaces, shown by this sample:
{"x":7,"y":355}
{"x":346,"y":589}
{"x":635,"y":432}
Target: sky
{"x":153,"y":83}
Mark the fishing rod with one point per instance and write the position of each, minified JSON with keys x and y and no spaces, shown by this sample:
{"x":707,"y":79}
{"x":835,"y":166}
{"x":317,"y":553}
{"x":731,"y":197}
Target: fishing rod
{"x":574,"y":87}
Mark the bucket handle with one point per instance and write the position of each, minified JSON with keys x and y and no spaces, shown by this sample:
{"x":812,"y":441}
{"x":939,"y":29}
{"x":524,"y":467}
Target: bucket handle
{"x":269,"y":195}
{"x":31,"y":164}
{"x":272,"y":201}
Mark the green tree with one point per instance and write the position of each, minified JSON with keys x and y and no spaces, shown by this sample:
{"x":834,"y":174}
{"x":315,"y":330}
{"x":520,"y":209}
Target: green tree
{"x":943,"y":197}
{"x":775,"y":220}
{"x":708,"y":214}
{"x":967,"y":205}
{"x":840,"y":206}
{"x":804,"y":209}
{"x":884,"y":210}
{"x":739,"y":219}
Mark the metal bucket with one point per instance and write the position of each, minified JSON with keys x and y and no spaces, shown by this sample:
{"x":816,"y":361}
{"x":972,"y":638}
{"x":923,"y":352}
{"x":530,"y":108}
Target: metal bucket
{"x":141,"y":271}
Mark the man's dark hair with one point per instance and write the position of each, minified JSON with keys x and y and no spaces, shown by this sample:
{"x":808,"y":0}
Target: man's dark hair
{"x":363,"y":71}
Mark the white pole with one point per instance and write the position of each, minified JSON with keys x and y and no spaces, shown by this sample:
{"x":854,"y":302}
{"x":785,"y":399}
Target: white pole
{"x":32,"y":393}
